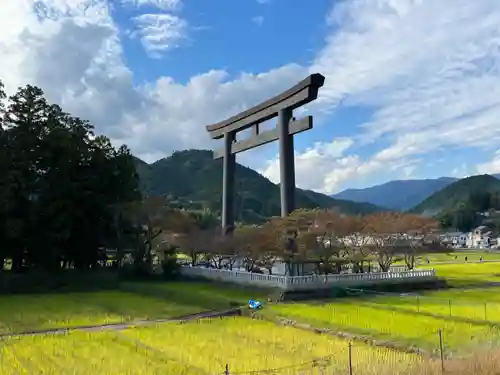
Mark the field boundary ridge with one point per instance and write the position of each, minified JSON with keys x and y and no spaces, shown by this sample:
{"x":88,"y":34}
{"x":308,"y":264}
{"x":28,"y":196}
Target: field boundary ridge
{"x":366,"y":339}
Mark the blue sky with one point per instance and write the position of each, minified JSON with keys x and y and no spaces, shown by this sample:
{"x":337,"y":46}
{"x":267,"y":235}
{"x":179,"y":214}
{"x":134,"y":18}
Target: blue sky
{"x":411,"y":85}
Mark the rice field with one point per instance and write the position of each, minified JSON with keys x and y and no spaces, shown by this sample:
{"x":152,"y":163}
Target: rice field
{"x":474,"y":304}
{"x":142,"y":301}
{"x":201,"y":347}
{"x":206,"y":346}
{"x":395,"y":325}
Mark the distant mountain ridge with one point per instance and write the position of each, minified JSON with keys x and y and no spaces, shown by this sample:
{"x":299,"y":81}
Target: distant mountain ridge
{"x":195,"y":178}
{"x":457,"y":194}
{"x":398,"y":195}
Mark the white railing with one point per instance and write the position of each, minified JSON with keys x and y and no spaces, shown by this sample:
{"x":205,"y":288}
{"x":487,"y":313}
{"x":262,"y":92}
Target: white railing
{"x":305,"y":282}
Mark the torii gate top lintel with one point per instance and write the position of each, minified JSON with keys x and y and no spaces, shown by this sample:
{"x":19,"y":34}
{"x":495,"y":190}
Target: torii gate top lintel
{"x":302,"y":93}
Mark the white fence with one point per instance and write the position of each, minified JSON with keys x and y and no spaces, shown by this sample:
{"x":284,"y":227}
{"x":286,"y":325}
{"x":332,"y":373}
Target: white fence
{"x":306,"y":282}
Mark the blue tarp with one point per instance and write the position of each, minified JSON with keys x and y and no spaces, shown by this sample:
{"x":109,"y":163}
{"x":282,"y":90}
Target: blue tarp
{"x":253,"y":304}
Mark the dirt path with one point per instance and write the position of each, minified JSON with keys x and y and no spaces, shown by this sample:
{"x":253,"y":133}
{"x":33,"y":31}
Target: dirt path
{"x":122,"y":326}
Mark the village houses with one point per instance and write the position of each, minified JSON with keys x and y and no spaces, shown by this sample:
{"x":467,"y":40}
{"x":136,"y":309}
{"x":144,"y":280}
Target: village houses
{"x":480,"y":237}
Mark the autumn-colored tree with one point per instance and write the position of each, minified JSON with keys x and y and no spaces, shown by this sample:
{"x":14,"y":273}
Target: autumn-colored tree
{"x":194,"y":232}
{"x":272,"y":242}
{"x":223,"y":252}
{"x":243,"y":240}
{"x":394,"y":234}
{"x":354,"y":234}
{"x":334,"y":239}
{"x":317,"y":239}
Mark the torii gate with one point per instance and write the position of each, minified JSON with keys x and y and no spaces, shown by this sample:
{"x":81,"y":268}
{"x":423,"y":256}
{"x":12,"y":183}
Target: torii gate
{"x":280,"y":106}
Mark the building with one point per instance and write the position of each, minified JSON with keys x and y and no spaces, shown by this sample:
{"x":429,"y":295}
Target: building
{"x":457,"y":240}
{"x":480,"y":238}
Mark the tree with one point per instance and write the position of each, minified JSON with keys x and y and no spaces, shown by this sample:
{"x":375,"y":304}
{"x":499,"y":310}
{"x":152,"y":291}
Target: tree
{"x":355,"y":234}
{"x":243,"y":240}
{"x":150,"y":217}
{"x":6,"y":186}
{"x":203,"y":219}
{"x":222,"y":251}
{"x":396,"y":234}
{"x":318,"y":239}
{"x":61,"y":186}
{"x":272,"y":242}
{"x":193,"y":232}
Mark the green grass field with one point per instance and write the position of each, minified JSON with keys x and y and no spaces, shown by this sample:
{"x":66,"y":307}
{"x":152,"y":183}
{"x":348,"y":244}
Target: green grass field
{"x":454,"y":256}
{"x":466,"y":273}
{"x":202,"y":347}
{"x":138,"y":301}
{"x":472,"y":256}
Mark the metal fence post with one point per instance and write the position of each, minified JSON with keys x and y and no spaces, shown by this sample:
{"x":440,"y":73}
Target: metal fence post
{"x":441,"y":351}
{"x":449,"y":305}
{"x":485,"y":311}
{"x":350,"y":358}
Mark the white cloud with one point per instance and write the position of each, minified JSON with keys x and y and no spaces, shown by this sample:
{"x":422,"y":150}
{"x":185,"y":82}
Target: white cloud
{"x":429,"y":69}
{"x":160,"y":33}
{"x":259,"y":20}
{"x":460,"y":171}
{"x":323,"y":166}
{"x":490,"y":167}
{"x":176,"y":114}
{"x":167,"y":5}
{"x":76,"y":57}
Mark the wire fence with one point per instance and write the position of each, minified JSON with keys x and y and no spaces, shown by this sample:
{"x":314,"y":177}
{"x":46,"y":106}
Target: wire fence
{"x":351,"y":357}
{"x":488,"y":311}
{"x":353,"y":360}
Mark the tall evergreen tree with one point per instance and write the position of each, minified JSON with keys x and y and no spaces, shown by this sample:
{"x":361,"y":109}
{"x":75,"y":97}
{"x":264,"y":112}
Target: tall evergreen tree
{"x":60,"y":187}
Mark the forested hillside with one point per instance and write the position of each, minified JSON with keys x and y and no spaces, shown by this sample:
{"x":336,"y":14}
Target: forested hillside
{"x":194,"y":176}
{"x":457,"y":193}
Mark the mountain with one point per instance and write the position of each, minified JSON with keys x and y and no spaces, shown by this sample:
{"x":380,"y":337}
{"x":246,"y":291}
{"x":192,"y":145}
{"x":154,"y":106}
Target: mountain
{"x":457,"y":193}
{"x":399,"y":195}
{"x":195,"y":178}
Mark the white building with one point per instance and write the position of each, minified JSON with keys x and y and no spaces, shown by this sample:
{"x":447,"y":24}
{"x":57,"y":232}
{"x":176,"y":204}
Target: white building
{"x":480,"y":238}
{"x":457,"y":240}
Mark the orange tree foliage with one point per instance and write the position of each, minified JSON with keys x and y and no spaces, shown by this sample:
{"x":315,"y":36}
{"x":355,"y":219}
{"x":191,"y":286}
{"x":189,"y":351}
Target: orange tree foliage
{"x":243,"y":241}
{"x":400,"y":234}
{"x":328,"y":238}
